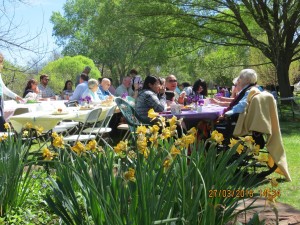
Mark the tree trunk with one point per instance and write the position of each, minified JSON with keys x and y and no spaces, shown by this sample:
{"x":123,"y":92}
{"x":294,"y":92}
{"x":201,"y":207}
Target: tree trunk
{"x":282,"y":70}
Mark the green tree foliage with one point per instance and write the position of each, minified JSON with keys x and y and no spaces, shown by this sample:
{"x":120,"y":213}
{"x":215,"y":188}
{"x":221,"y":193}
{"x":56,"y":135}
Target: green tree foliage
{"x":99,"y":30}
{"x":68,"y":68}
{"x":229,"y":23}
{"x":15,"y":78}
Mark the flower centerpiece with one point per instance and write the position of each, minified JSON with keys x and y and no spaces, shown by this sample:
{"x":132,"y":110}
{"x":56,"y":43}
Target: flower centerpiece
{"x":124,"y":95}
{"x":85,"y":101}
{"x":196,"y":100}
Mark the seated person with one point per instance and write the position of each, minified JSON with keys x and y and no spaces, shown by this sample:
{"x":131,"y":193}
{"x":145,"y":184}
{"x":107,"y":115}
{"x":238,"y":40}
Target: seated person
{"x":67,"y":91}
{"x":171,"y":85}
{"x":136,"y":82}
{"x":125,"y":88}
{"x":103,"y":92}
{"x":92,"y":91}
{"x":148,"y":98}
{"x":81,"y":87}
{"x":31,"y":90}
{"x":224,"y":101}
{"x":247,"y":79}
{"x":199,"y":90}
{"x":44,"y":88}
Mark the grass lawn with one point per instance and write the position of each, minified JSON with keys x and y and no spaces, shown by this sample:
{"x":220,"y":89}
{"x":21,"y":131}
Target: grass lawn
{"x":290,"y":191}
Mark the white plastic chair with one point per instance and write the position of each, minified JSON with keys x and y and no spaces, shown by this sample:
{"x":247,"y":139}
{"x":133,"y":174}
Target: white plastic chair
{"x":92,"y":119}
{"x":103,"y":128}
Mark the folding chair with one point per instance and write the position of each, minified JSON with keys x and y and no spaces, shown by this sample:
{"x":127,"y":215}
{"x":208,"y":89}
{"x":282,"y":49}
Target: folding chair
{"x":103,"y":128}
{"x":131,"y":117}
{"x":92,"y":119}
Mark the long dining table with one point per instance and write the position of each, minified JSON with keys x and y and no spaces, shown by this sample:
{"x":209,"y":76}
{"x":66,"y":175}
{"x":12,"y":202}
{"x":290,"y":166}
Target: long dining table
{"x":48,"y":118}
{"x":209,"y":112}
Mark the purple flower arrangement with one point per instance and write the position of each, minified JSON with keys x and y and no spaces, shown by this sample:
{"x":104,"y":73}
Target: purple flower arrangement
{"x":124,"y":95}
{"x":195,"y":99}
{"x":86,"y":99}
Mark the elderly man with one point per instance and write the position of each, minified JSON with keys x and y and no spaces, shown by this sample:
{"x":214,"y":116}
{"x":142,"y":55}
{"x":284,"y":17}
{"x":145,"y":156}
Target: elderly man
{"x":125,"y":87}
{"x":246,"y":80}
{"x":103,"y":91}
{"x":46,"y":91}
{"x":171,"y":85}
{"x":81,"y":87}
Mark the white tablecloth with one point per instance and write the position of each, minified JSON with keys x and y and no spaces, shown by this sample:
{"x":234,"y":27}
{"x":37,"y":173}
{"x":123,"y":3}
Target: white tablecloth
{"x":48,"y":118}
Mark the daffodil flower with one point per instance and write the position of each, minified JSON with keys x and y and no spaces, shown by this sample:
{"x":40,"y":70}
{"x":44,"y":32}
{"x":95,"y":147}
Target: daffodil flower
{"x":152,"y":114}
{"x":130,"y":175}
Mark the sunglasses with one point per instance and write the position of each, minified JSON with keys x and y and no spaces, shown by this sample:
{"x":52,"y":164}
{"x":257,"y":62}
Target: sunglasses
{"x":172,"y":81}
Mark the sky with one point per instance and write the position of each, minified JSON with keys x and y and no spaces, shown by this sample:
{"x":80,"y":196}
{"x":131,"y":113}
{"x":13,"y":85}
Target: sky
{"x":33,"y":18}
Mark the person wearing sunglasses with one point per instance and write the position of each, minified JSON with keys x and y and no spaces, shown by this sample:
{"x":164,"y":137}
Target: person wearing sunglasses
{"x":171,"y":85}
{"x":46,"y":91}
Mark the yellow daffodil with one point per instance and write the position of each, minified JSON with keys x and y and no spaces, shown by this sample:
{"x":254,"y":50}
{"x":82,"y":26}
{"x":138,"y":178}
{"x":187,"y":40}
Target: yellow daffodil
{"x":152,"y":114}
{"x":130,"y":175}
{"x":141,"y":130}
{"x":256,"y":149}
{"x":25,"y":133}
{"x":92,"y":145}
{"x":233,"y":142}
{"x":47,"y":154}
{"x":274,"y":182}
{"x":28,"y":125}
{"x":58,"y":142}
{"x":172,"y":121}
{"x":3,"y":137}
{"x":162,"y":121}
{"x":271,"y":198}
{"x":141,"y":144}
{"x":192,"y":131}
{"x":6,"y":126}
{"x":180,"y":143}
{"x":154,"y":129}
{"x":121,"y":148}
{"x":39,"y":130}
{"x":262,"y":157}
{"x":167,"y":163}
{"x":248,"y":141}
{"x":166,"y":133}
{"x":174,"y":151}
{"x":54,"y":135}
{"x":132,"y":154}
{"x":218,"y":137}
{"x":240,"y":149}
{"x":143,"y":149}
{"x":188,"y":139}
{"x":154,"y":139}
{"x":78,"y":147}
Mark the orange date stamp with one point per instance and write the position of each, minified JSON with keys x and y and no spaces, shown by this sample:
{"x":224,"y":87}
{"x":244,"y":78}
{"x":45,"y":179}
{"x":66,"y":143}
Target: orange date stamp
{"x":228,"y":193}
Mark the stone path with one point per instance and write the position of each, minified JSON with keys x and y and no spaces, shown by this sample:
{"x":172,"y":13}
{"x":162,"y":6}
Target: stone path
{"x":287,"y":214}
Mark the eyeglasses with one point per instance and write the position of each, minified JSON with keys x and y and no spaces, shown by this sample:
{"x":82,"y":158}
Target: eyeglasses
{"x":172,"y":81}
{"x":46,"y":79}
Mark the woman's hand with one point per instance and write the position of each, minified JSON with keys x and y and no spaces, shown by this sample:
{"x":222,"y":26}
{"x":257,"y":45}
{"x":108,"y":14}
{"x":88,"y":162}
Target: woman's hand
{"x":18,"y":98}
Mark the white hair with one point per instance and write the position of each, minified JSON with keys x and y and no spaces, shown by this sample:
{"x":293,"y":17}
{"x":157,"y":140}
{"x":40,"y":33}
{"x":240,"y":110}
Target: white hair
{"x":92,"y":83}
{"x":248,"y":76}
